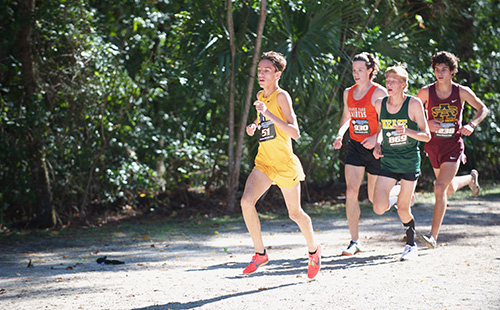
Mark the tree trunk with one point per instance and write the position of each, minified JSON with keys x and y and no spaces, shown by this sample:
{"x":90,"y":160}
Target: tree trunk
{"x":45,"y":214}
{"x":235,"y":172}
{"x":45,"y":211}
{"x":160,"y":162}
{"x":231,"y":182}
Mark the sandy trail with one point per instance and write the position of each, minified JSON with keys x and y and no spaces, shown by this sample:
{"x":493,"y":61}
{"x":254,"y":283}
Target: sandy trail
{"x":204,"y":271}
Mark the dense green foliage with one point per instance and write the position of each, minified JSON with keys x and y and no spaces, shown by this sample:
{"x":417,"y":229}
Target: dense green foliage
{"x":130,"y":97}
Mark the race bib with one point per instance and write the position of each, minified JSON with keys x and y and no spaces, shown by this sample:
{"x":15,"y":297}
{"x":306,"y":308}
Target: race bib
{"x":266,"y":131}
{"x":361,"y":126}
{"x":395,"y":139}
{"x":447,"y":130}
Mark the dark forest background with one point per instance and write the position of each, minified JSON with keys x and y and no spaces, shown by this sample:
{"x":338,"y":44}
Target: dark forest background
{"x":115,"y":106}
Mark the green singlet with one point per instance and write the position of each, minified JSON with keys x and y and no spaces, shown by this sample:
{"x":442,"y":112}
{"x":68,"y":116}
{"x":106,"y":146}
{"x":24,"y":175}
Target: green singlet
{"x":401,"y":153}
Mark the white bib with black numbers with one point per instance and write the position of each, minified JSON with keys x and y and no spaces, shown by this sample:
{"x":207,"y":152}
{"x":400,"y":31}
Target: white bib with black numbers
{"x":361,"y":126}
{"x":447,"y":130}
{"x":395,"y":139}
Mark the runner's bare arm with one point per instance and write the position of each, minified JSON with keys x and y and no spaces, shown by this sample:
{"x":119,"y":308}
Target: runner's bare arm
{"x":416,"y":114}
{"x":423,"y":95}
{"x":290,"y":126}
{"x":380,"y":92}
{"x":344,"y":123}
{"x":250,"y":129}
{"x":377,"y":150}
{"x":370,"y":142}
{"x":467,"y":95}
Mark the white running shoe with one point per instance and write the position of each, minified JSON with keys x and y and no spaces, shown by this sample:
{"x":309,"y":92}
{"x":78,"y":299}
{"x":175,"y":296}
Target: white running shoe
{"x":428,"y":240}
{"x":410,"y":252}
{"x":393,"y":202}
{"x":353,"y":248}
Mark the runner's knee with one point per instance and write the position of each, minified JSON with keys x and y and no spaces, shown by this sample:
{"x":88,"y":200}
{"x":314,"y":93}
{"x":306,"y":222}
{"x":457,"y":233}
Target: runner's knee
{"x":297,"y":215}
{"x":352,"y":191}
{"x":451,"y":189}
{"x":440,"y":188}
{"x":380,"y":207}
{"x":247,"y":203}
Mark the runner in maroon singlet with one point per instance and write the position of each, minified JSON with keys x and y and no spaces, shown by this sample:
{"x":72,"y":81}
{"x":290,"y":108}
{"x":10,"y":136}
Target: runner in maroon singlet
{"x":444,"y":102}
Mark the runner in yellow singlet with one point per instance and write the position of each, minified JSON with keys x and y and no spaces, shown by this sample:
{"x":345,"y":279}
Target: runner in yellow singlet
{"x":275,"y":156}
{"x":275,"y":162}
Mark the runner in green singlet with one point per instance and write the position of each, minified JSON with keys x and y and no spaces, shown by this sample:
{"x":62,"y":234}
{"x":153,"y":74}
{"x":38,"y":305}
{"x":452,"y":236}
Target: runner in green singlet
{"x":402,"y":124}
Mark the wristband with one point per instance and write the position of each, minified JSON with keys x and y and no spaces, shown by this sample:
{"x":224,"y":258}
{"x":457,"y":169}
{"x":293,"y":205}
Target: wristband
{"x":472,"y":125}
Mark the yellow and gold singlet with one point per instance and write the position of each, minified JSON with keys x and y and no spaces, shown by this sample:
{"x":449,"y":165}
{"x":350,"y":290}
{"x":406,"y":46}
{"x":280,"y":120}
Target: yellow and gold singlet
{"x":275,"y":156}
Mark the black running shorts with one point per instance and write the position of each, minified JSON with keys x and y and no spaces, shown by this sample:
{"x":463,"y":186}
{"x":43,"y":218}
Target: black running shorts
{"x":359,"y":156}
{"x":411,"y":176}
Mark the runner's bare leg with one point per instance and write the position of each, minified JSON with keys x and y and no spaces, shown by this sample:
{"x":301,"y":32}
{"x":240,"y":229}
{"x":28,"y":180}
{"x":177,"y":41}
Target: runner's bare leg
{"x":444,"y":176}
{"x":297,"y":214}
{"x":257,"y":184}
{"x":354,"y":177}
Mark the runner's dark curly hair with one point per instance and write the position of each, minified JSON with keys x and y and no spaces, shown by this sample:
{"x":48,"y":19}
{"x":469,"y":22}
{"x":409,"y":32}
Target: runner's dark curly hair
{"x":446,"y":58}
{"x":371,"y":62}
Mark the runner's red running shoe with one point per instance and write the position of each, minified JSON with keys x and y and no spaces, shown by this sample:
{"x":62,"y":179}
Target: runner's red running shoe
{"x":257,"y":261}
{"x":314,"y":263}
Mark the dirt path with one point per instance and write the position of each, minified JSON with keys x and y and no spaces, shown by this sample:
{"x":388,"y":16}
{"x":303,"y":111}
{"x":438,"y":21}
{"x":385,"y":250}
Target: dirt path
{"x":204,"y":271}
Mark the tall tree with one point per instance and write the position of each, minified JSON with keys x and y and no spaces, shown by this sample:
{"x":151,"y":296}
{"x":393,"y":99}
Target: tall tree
{"x":234,"y":171}
{"x":45,"y":211}
{"x":231,"y":180}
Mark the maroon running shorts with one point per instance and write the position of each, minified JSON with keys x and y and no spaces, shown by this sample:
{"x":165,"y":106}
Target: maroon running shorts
{"x":445,"y":151}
